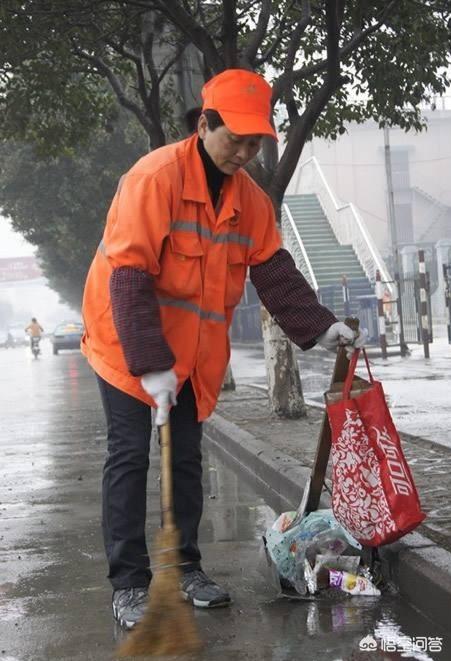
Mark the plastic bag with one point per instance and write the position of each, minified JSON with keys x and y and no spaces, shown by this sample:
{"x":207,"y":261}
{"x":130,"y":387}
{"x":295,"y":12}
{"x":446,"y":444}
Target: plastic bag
{"x":268,"y":570}
{"x":317,"y":578}
{"x":277,"y":585}
{"x":331,"y":542}
{"x":352,"y":583}
{"x":317,"y":532}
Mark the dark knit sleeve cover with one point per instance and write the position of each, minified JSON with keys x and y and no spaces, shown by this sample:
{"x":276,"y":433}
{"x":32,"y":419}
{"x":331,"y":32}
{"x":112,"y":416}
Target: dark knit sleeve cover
{"x":288,"y":297}
{"x":136,"y":315}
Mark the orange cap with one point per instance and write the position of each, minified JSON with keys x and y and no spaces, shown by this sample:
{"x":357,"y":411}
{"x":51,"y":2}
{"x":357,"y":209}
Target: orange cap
{"x":243,"y":99}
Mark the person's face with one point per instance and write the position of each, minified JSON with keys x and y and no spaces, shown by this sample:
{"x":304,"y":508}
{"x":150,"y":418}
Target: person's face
{"x":227,"y":150}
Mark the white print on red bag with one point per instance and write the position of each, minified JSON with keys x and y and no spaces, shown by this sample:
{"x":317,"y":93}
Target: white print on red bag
{"x":358,"y":500}
{"x":400,"y":480}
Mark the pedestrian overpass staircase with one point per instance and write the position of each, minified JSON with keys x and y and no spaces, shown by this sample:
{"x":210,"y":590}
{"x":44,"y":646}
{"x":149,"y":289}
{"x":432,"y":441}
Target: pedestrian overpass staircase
{"x":329,"y":240}
{"x":329,"y":260}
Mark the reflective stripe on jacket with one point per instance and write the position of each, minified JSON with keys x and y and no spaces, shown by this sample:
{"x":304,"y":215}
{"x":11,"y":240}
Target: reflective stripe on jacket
{"x":161,"y":221}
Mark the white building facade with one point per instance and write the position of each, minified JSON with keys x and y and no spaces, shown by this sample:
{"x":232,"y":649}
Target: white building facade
{"x":354,"y":167}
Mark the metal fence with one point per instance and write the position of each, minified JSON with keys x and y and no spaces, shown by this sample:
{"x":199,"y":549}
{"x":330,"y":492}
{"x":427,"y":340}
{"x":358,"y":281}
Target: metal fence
{"x":410,"y":311}
{"x":408,"y":289}
{"x":411,"y":308}
{"x":246,"y":324}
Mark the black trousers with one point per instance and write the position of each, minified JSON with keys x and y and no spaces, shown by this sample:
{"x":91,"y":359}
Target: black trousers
{"x":125,"y":482}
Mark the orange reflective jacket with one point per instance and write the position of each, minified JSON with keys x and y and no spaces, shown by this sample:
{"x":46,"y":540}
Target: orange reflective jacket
{"x":162,"y":221}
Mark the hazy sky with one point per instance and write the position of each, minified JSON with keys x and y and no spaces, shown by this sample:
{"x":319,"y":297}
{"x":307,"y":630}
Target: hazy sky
{"x":11,"y":243}
{"x":34,"y":298}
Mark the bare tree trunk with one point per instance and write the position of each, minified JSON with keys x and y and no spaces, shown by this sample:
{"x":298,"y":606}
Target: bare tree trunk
{"x":282,"y":371}
{"x":284,"y":383}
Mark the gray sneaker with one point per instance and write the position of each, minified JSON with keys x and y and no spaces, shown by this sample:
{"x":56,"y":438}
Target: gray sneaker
{"x":202,"y":592}
{"x":129,"y":605}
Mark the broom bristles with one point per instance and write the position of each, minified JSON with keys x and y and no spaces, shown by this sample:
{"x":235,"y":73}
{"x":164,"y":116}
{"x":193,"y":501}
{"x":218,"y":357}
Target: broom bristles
{"x":168,"y":625}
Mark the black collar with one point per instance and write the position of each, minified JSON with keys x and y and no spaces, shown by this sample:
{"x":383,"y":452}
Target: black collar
{"x":215,"y":177}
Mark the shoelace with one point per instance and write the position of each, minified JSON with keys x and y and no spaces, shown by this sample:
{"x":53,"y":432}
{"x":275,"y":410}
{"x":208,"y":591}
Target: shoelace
{"x":199,"y":578}
{"x":132,"y":596}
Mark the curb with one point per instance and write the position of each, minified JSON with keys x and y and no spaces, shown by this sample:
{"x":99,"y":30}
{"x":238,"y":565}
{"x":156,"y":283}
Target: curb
{"x":280,"y":476}
{"x":372,"y":350}
{"x":419,"y":568}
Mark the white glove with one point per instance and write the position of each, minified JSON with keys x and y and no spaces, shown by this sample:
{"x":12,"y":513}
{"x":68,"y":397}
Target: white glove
{"x":162,"y":387}
{"x":340,"y":335}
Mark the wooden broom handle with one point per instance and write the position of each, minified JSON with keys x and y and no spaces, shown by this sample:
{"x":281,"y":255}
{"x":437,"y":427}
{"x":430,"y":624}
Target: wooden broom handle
{"x":167,"y":513}
{"x":319,"y":468}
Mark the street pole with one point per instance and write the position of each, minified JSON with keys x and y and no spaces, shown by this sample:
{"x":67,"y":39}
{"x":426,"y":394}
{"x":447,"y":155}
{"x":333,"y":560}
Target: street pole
{"x":381,"y":315}
{"x":424,"y":319}
{"x":345,"y":291}
{"x":447,"y":279}
{"x":394,"y":239}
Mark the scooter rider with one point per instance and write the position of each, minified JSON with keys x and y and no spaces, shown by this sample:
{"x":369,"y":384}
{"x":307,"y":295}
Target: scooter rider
{"x":34,"y":330}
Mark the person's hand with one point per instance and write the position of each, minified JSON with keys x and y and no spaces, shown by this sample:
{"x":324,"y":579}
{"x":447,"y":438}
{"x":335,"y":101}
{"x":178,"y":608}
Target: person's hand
{"x":162,"y":387}
{"x":340,"y":335}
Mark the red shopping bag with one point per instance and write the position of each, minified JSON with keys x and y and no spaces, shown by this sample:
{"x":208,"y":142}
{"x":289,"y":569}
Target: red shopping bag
{"x":373,"y":493}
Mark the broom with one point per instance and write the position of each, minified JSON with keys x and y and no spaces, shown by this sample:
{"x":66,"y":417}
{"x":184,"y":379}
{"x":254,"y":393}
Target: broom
{"x":168,"y":625}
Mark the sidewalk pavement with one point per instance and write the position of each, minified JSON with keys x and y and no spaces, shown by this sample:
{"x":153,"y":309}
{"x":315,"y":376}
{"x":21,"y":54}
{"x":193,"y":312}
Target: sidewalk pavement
{"x":417,"y":389}
{"x":278,"y":455}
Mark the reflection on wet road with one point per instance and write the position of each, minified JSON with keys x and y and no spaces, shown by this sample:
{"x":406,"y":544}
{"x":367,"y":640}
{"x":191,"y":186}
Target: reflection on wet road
{"x":54,"y":598}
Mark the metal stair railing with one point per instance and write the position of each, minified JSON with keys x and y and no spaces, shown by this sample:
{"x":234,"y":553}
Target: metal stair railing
{"x":433,"y":201}
{"x":345,"y":221}
{"x":294,"y":244}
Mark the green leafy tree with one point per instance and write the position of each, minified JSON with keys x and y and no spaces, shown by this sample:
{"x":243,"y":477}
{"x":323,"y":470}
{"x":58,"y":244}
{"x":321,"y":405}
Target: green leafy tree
{"x":330,"y":61}
{"x":59,"y":203}
{"x":55,"y":58}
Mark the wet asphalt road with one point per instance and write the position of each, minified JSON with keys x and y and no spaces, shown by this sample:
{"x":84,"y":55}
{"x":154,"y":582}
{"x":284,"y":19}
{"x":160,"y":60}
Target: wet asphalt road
{"x":54,"y":598}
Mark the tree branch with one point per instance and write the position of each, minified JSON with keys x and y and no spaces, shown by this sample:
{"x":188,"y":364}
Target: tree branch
{"x":244,"y":9}
{"x":153,"y":109}
{"x":305,"y":123}
{"x":333,"y":37}
{"x":358,"y":15}
{"x":180,"y":48}
{"x":299,"y":30}
{"x":229,"y":33}
{"x":256,"y":38}
{"x":280,"y":84}
{"x":121,"y":50}
{"x":195,"y":32}
{"x":269,"y":52}
{"x":123,"y":99}
{"x":280,"y":34}
{"x":341,"y":6}
{"x":292,"y":50}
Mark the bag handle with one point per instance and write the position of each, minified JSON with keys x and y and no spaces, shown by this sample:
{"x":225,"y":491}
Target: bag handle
{"x":351,"y":371}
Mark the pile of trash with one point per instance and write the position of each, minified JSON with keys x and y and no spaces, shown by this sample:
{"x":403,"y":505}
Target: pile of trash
{"x":315,"y":552}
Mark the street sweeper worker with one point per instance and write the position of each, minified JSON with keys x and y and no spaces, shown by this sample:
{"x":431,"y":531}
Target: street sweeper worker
{"x":183,"y":228}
